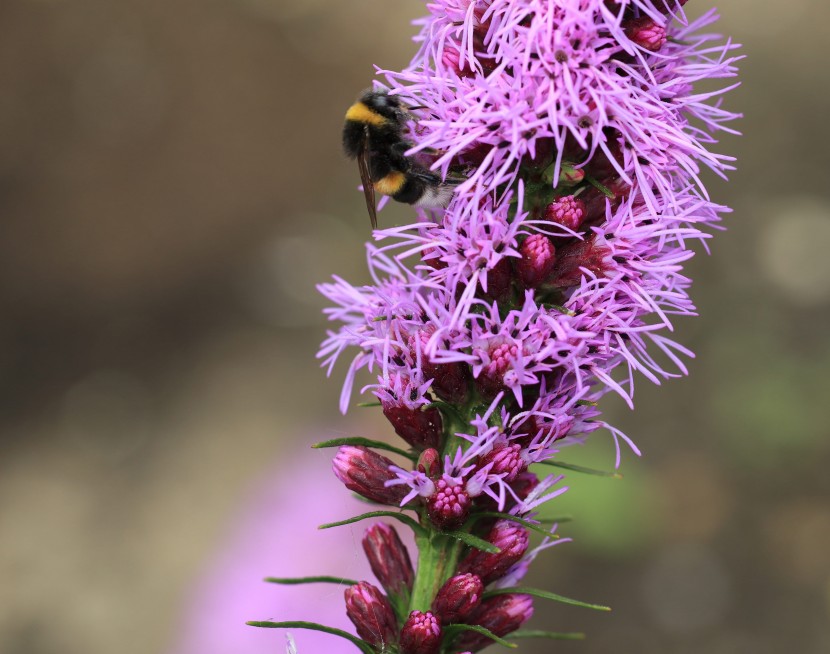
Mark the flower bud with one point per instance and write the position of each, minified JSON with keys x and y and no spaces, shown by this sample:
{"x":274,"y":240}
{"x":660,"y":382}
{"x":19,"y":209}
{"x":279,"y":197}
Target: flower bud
{"x":450,"y":381}
{"x":570,"y":176}
{"x":505,"y":459}
{"x":421,"y":634}
{"x":449,"y":506}
{"x":432,"y":258}
{"x":567,"y":210}
{"x":491,"y":378}
{"x":451,"y":58}
{"x":420,"y":427}
{"x":499,"y":278}
{"x":371,"y":614}
{"x":501,"y":614}
{"x":389,"y":559}
{"x":574,"y":257}
{"x":430,"y":463}
{"x":524,"y":484}
{"x":458,"y":598}
{"x":365,"y":472}
{"x":538,"y":258}
{"x":512,"y":541}
{"x":645,"y":32}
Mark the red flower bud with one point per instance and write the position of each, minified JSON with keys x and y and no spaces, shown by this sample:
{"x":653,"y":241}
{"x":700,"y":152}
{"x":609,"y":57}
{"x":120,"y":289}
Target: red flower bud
{"x":421,"y":634}
{"x":365,"y":472}
{"x":538,"y":258}
{"x":512,"y":541}
{"x":491,"y":379}
{"x":570,"y":176}
{"x":449,"y":506}
{"x":430,"y":463}
{"x":501,"y":614}
{"x":505,"y":459}
{"x":450,"y":381}
{"x":498,"y":279}
{"x":371,"y":614}
{"x":524,"y":484}
{"x":389,"y":559}
{"x":458,"y":598}
{"x":567,"y":210}
{"x":421,"y":427}
{"x":578,"y":255}
{"x":646,"y":33}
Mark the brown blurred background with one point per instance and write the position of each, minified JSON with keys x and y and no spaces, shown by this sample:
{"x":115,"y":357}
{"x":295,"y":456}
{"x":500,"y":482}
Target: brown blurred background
{"x":171,"y":189}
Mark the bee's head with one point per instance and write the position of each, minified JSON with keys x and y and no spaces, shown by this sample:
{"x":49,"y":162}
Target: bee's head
{"x":388,"y":106}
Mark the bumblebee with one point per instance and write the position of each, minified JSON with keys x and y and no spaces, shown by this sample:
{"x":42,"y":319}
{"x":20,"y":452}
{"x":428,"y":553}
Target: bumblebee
{"x":374,"y":135}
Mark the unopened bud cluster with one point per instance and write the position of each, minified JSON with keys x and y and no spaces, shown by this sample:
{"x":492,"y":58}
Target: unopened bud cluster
{"x":381,"y":620}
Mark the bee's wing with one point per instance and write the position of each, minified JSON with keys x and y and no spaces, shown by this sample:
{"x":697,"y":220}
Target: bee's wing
{"x":366,"y":178}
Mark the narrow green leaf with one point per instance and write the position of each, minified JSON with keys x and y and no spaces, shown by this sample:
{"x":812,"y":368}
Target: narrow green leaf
{"x":535,"y":633}
{"x":313,"y":626}
{"x":365,"y":442}
{"x":516,"y":519}
{"x":473,"y":541}
{"x":555,"y":519}
{"x":322,"y":579}
{"x":602,"y":189}
{"x":363,"y":405}
{"x":453,"y":628}
{"x":418,"y":529}
{"x":580,"y":403}
{"x":582,"y":469}
{"x":536,"y":592}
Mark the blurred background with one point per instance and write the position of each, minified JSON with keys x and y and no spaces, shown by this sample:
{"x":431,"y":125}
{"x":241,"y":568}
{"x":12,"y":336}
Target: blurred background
{"x":171,"y":190}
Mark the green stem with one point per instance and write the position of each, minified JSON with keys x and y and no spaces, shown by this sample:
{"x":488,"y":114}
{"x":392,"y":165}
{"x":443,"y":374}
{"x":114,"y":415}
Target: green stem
{"x":437,"y":559}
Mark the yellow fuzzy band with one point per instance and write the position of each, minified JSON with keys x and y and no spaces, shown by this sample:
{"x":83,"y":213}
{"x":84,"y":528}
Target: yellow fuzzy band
{"x":390,"y":184}
{"x":360,"y":113}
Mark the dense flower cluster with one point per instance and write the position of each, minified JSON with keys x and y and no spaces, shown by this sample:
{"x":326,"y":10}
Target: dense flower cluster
{"x":576,"y":137}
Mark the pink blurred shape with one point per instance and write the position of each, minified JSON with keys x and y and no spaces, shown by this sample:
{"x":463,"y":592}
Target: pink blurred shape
{"x":275,"y":534}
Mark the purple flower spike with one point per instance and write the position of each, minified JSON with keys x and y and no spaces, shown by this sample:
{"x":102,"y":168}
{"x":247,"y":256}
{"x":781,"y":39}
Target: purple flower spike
{"x":458,"y":598}
{"x":501,"y":614}
{"x":389,"y":559}
{"x":511,"y":539}
{"x":572,"y":138}
{"x":421,"y":634}
{"x":366,"y":472}
{"x":372,"y":615}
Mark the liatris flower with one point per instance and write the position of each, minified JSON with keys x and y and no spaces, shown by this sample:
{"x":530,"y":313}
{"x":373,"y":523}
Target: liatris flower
{"x":574,"y":139}
{"x":421,"y":634}
{"x":511,"y":540}
{"x":372,"y":615}
{"x":366,"y":472}
{"x":458,"y":598}
{"x":500,"y":615}
{"x":389,"y":559}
